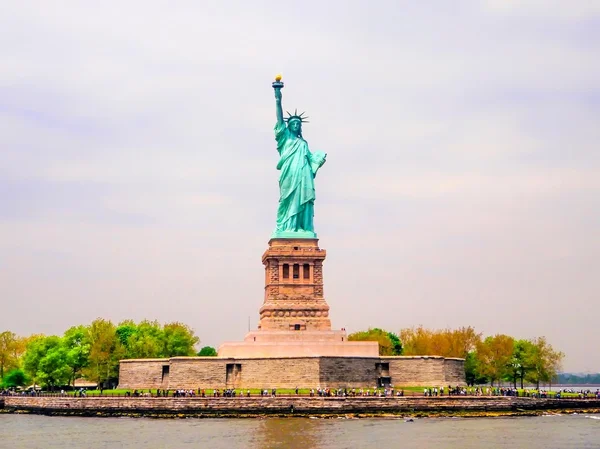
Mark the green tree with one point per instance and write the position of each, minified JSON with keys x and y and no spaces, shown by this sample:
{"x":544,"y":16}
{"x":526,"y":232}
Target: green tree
{"x":207,"y":351}
{"x":544,"y":362}
{"x":36,"y":349}
{"x":14,"y":378}
{"x":11,"y":349}
{"x":125,"y":331}
{"x":397,"y":348}
{"x":77,"y":346}
{"x":494,"y":354}
{"x":520,"y":362}
{"x":105,"y":351}
{"x":389,"y":343}
{"x":147,"y":341}
{"x":178,"y":340}
{"x":473,"y":375}
{"x":46,"y":361}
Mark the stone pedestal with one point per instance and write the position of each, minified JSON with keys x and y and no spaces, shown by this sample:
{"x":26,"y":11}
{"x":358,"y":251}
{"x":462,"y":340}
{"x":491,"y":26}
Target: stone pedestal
{"x":294,"y":317}
{"x":267,"y":344}
{"x":294,"y":287}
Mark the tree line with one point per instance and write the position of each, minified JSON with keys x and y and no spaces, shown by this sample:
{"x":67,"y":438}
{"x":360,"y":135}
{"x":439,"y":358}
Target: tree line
{"x":91,"y":351}
{"x":487,"y":360}
{"x":94,"y":351}
{"x":579,"y":379}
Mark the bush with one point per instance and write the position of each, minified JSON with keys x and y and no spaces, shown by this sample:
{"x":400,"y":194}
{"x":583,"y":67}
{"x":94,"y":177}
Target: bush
{"x":14,"y":378}
{"x":208,"y":351}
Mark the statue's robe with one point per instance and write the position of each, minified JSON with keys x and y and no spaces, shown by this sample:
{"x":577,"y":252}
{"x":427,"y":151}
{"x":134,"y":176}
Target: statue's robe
{"x":298,"y":168}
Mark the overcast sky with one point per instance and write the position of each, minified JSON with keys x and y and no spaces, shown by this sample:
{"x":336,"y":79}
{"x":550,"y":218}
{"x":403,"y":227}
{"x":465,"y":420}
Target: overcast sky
{"x":462,"y":183}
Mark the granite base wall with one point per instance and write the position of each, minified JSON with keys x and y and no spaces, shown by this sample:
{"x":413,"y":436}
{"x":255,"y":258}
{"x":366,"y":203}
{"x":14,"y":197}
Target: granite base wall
{"x":147,"y":372}
{"x":187,"y":372}
{"x":289,"y":372}
{"x":105,"y":406}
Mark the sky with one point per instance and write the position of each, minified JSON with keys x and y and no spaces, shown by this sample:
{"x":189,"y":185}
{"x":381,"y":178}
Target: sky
{"x":462,"y":185}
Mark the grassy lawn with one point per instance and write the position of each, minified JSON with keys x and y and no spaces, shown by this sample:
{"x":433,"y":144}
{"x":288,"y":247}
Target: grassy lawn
{"x":209,"y":391}
{"x":303,"y":392}
{"x":253,"y":391}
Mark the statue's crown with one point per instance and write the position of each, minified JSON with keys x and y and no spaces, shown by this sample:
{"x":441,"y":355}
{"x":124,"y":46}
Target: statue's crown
{"x":296,"y":116}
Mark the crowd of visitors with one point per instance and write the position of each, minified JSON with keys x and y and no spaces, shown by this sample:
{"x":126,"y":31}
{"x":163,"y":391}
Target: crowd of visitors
{"x":345,"y":392}
{"x":510,"y":391}
{"x":582,"y":394}
{"x":13,"y":392}
{"x":327,"y":392}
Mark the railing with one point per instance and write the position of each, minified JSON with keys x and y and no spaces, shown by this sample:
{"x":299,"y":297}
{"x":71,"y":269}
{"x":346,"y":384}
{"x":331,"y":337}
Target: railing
{"x":238,"y":395}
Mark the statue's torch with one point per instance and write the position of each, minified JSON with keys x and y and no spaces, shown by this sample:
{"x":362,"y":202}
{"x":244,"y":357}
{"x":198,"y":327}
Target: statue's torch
{"x":278,"y":84}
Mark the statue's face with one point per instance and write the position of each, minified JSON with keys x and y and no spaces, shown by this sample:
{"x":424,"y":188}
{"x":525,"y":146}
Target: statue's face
{"x":295,"y":126}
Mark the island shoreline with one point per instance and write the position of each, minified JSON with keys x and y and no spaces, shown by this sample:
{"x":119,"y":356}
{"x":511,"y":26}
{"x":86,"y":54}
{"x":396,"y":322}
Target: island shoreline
{"x":303,"y":407}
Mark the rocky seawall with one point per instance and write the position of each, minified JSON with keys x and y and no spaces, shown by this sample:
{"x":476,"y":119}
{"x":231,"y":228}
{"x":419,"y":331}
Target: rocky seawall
{"x":293,"y":406}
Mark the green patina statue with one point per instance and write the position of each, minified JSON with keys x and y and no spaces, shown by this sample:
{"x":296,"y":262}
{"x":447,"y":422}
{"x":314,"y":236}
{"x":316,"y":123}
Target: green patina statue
{"x":298,"y":168}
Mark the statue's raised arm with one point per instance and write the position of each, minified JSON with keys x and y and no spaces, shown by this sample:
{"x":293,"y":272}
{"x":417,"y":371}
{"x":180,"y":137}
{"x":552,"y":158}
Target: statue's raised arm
{"x":298,"y":168}
{"x":277,"y":86}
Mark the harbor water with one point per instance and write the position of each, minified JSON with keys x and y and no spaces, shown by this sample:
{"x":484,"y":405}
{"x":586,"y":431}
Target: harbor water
{"x":547,"y":432}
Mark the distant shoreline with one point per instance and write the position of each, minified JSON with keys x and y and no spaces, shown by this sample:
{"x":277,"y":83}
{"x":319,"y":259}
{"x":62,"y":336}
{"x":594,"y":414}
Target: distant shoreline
{"x":355,"y":407}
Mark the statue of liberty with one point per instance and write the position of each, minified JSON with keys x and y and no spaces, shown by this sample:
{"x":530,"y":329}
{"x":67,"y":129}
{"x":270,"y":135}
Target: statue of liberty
{"x":298,"y":168}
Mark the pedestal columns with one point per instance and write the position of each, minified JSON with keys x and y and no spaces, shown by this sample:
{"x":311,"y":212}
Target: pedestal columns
{"x":294,"y":300}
